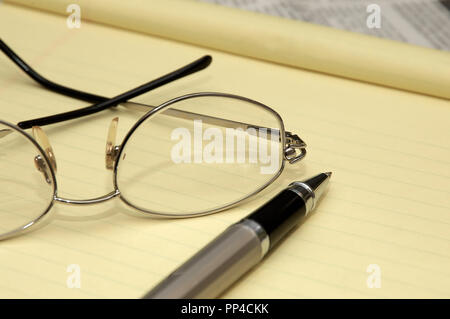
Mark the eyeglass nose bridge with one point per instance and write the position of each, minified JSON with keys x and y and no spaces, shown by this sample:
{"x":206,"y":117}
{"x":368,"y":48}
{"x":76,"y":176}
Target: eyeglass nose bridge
{"x":295,"y":149}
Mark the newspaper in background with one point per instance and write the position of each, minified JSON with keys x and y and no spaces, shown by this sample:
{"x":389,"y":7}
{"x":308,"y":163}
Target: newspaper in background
{"x":421,"y":22}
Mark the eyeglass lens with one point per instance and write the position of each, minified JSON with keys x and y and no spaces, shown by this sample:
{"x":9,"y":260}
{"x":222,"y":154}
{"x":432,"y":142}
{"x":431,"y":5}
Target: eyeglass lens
{"x":177,"y":166}
{"x":26,"y":182}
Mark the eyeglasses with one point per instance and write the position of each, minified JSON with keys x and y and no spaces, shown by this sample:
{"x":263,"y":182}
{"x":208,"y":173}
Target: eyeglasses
{"x":193,"y":155}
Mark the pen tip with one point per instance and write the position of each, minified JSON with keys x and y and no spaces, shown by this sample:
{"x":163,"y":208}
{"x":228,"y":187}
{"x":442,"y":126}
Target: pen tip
{"x":328,"y":174}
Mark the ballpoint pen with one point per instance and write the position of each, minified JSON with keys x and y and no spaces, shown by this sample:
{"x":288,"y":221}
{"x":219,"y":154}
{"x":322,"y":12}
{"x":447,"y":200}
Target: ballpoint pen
{"x":242,"y":245}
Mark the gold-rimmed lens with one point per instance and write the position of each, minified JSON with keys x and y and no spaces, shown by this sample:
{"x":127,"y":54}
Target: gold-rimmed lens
{"x":200,"y":154}
{"x":26,"y":181}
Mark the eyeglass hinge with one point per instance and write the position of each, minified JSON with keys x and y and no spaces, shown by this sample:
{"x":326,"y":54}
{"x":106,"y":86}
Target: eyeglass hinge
{"x":295,"y":148}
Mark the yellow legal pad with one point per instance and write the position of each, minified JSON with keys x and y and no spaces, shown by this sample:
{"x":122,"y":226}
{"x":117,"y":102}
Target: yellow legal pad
{"x":388,"y":203}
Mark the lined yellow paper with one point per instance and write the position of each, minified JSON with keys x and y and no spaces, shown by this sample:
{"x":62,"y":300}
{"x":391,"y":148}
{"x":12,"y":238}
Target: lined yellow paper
{"x":284,"y":41}
{"x":388,"y":203}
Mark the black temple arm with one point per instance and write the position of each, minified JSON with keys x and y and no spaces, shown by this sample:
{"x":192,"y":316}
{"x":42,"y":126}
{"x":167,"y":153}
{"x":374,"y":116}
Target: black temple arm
{"x":102,"y":103}
{"x":88,"y":97}
{"x":172,"y":76}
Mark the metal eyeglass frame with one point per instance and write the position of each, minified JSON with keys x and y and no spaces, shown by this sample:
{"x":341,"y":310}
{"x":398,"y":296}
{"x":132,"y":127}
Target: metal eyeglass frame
{"x":293,"y":147}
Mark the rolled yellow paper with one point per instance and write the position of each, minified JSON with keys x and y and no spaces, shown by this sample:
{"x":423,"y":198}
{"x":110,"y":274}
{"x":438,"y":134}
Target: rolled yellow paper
{"x":274,"y":39}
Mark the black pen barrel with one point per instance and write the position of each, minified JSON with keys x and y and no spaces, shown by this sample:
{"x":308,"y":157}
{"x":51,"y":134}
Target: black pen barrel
{"x":280,"y":215}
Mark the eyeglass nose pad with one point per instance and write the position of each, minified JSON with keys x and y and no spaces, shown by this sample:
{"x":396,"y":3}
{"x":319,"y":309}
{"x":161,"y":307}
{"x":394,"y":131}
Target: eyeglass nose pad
{"x":111,"y":148}
{"x":42,"y":139}
{"x":42,"y":167}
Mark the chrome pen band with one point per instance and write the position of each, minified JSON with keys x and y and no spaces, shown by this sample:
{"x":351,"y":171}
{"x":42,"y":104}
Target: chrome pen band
{"x":306,"y":193}
{"x":260,"y":232}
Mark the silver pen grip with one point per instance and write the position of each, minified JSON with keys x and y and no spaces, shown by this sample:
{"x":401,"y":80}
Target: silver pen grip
{"x":218,"y":265}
